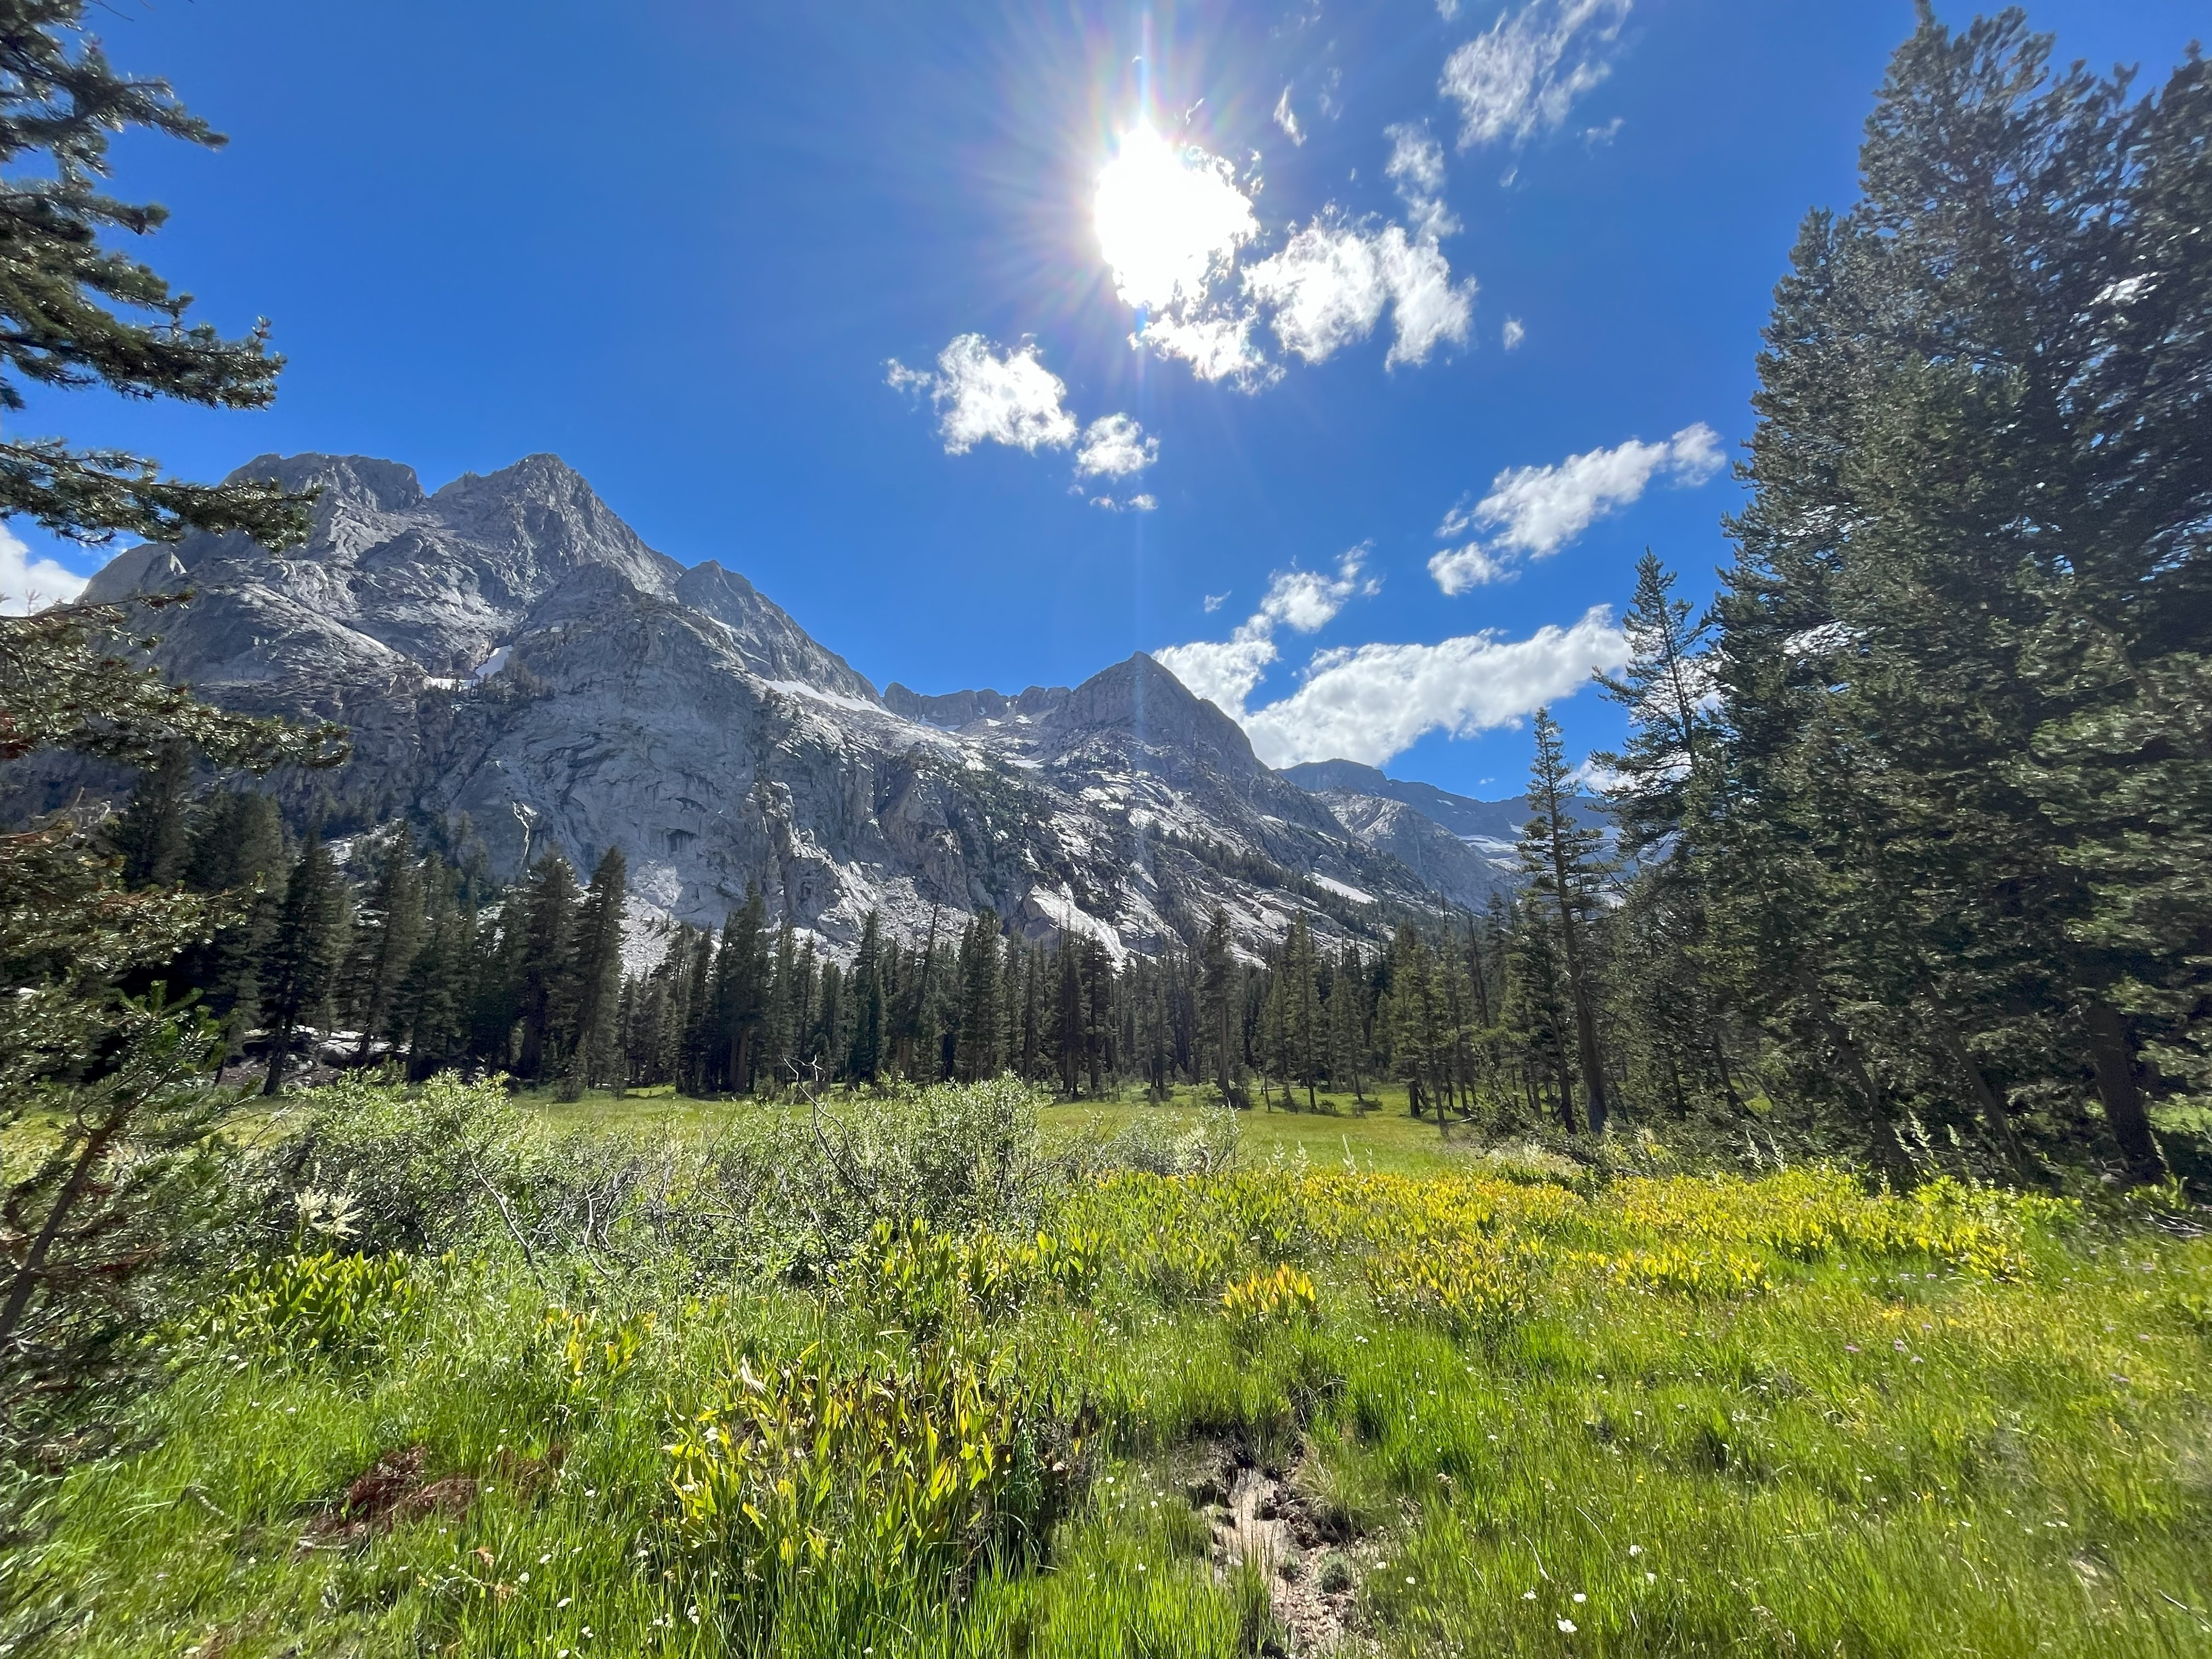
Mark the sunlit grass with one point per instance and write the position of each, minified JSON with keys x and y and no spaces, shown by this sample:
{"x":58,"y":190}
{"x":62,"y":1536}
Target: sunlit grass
{"x":1641,"y":1416}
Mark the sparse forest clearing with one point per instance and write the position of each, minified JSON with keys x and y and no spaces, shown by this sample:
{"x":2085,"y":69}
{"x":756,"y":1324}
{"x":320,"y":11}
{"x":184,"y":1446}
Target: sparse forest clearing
{"x":694,"y":1394}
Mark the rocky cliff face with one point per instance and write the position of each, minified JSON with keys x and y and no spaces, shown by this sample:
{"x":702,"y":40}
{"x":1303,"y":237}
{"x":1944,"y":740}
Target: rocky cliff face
{"x":507,"y":649}
{"x":1462,"y":847}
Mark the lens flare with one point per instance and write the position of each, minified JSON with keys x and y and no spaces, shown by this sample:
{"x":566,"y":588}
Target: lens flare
{"x":1170,"y":220}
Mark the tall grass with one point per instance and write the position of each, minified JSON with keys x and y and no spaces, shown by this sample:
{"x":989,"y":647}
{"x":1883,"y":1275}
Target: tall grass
{"x":956,"y":1390}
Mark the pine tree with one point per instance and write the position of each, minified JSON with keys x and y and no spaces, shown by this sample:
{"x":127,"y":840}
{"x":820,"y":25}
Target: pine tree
{"x":437,"y":998}
{"x":740,"y":994}
{"x":235,"y":846}
{"x":1347,"y":1025}
{"x":977,"y":1053}
{"x":303,"y":958}
{"x":1561,"y":861}
{"x":80,"y":314}
{"x":150,"y":833}
{"x":1219,"y":996}
{"x":865,"y":1061}
{"x":1665,"y":682}
{"x":779,"y":1025}
{"x":1978,"y":495}
{"x":544,"y":937}
{"x":387,"y":931}
{"x":596,"y":972}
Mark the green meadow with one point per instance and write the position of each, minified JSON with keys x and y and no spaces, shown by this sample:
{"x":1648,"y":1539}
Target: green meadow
{"x":954,"y":1372}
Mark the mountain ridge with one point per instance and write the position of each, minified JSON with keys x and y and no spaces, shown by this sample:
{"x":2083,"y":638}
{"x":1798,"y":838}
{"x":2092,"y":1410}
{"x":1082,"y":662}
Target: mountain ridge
{"x":510,"y":655}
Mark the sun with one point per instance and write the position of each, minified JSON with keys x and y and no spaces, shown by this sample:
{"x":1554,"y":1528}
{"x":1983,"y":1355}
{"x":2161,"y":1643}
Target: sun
{"x":1170,"y":219}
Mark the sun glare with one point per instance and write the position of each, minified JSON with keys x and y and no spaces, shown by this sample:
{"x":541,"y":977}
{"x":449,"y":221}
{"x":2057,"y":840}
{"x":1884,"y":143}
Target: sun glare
{"x":1168,"y":217}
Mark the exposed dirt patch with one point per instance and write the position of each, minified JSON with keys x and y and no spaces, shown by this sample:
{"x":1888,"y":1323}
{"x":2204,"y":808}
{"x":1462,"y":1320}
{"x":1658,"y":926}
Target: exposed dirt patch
{"x":1258,"y":1520}
{"x":391,"y":1493}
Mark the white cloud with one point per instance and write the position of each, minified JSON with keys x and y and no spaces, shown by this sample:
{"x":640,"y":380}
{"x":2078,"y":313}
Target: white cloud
{"x":1174,"y":221}
{"x":1133,"y":504}
{"x":1416,"y":166}
{"x":1306,"y":601}
{"x":1537,"y":510}
{"x":1328,"y":285}
{"x":1224,"y":671}
{"x":1525,"y":74}
{"x":1287,"y":119}
{"x":1593,"y":779}
{"x":27,"y":584}
{"x":1513,"y":333}
{"x":1114,"y":447}
{"x":1214,"y":602}
{"x":984,"y":393}
{"x":1218,"y":345}
{"x":1221,"y":672}
{"x":1541,"y":508}
{"x":1458,"y":568}
{"x":1372,"y":702}
{"x":1427,"y":308}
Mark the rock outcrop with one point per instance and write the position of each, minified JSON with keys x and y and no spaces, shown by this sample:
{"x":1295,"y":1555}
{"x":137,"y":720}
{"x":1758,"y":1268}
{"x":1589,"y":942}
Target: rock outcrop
{"x":521,"y":671}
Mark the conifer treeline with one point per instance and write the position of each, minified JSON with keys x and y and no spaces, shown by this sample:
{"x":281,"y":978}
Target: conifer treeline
{"x":420,"y":963}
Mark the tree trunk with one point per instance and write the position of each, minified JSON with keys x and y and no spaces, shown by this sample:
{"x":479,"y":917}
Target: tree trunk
{"x":1993,"y":1108}
{"x":34,"y":1264}
{"x":1881,"y":1134}
{"x":280,"y":1058}
{"x":2113,"y":1056}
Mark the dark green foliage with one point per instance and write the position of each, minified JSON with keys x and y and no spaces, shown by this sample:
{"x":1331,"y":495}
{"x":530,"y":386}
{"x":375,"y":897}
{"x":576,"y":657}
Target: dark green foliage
{"x":386,"y":934}
{"x":301,"y":968}
{"x":80,"y":314}
{"x":595,"y":969}
{"x":1561,"y":859}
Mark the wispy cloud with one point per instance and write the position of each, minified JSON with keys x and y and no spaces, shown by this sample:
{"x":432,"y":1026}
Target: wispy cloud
{"x":1523,"y":76}
{"x":1416,"y":168}
{"x":1537,"y":510}
{"x":983,"y":393}
{"x":1287,"y":119}
{"x":1512,"y":334}
{"x":1224,"y":671}
{"x":27,"y":584}
{"x":1369,"y":702}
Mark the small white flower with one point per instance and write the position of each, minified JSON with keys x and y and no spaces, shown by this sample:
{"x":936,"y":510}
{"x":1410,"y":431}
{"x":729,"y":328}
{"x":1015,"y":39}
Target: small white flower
{"x":1527,"y":1595}
{"x":1566,"y":1627}
{"x":1636,"y":1549}
{"x":1579,"y":1596}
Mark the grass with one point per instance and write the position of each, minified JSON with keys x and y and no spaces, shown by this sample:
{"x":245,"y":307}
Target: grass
{"x":1382,"y":1134}
{"x":1508,"y":1413}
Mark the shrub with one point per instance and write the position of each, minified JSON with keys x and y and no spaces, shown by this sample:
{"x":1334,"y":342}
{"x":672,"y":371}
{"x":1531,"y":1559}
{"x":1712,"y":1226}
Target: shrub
{"x":1285,"y":1297}
{"x":424,"y":1168}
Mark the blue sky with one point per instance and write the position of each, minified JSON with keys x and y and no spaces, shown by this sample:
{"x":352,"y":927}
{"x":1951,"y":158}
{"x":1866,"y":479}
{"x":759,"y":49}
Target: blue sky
{"x":821,"y":292}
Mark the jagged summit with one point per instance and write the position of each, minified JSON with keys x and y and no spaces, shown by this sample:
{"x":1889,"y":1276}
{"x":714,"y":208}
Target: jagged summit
{"x":520,"y":672}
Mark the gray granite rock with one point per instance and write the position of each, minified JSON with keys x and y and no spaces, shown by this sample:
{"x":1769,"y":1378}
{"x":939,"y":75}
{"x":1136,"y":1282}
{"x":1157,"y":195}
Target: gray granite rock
{"x":507,"y":649}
